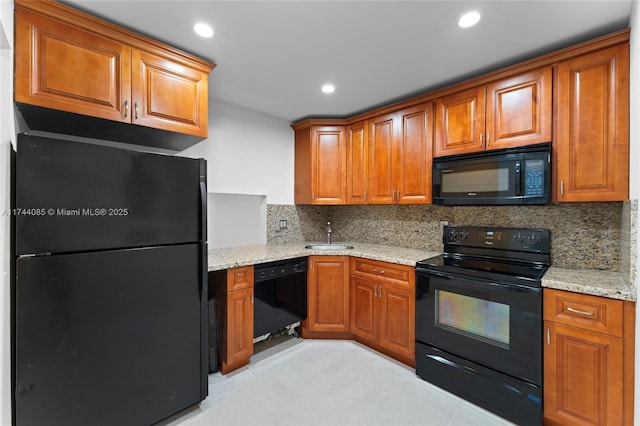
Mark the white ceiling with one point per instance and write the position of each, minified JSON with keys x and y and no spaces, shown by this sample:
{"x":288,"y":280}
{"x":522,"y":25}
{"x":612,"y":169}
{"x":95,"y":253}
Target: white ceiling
{"x":273,"y":56}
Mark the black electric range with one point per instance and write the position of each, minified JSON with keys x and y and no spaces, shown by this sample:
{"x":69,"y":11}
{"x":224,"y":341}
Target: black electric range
{"x":479,"y":318}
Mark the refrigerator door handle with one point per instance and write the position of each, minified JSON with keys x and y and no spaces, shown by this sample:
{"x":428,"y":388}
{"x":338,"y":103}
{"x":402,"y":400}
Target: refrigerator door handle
{"x":203,"y":199}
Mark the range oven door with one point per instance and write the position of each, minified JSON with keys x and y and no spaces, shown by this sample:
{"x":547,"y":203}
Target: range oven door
{"x":496,"y":325}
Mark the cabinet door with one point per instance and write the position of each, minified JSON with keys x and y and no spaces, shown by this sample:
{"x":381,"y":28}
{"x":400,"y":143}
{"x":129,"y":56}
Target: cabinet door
{"x":328,"y":165}
{"x":168,"y":95}
{"x":363,"y":317}
{"x":413,"y":155}
{"x":460,"y":122}
{"x":382,"y":133}
{"x":239,"y":339}
{"x":397,"y":321}
{"x":328,"y":294}
{"x":592,"y":143}
{"x":583,"y":381}
{"x":357,"y":162}
{"x":65,"y":68}
{"x":519,"y":110}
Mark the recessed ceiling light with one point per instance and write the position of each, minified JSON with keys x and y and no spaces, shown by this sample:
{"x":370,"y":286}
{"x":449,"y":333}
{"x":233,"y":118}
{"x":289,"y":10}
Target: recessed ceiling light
{"x":328,"y":88}
{"x":203,"y":30}
{"x":469,"y":19}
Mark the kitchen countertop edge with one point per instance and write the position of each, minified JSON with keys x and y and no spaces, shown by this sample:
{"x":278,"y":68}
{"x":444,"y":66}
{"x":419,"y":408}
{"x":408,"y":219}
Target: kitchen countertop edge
{"x":225,"y":258}
{"x":585,"y":281}
{"x":589,"y":281}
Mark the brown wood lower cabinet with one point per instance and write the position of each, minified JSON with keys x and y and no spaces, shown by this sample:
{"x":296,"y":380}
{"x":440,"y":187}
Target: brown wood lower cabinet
{"x":382,"y":307}
{"x":328,"y":297}
{"x":588,"y":359}
{"x":233,"y":292}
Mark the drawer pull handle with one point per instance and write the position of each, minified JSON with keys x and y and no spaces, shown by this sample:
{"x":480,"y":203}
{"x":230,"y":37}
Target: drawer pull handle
{"x":548,"y":337}
{"x":378,"y":271}
{"x":578,"y":311}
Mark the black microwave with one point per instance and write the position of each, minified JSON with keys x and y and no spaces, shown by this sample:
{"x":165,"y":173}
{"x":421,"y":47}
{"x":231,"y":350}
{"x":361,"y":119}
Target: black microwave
{"x":500,"y":177}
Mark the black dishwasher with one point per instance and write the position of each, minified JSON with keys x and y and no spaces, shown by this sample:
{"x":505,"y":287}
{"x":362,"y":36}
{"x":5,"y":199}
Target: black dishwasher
{"x":280,"y":296}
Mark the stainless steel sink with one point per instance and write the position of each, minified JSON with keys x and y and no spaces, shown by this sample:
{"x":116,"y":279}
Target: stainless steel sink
{"x":328,"y":247}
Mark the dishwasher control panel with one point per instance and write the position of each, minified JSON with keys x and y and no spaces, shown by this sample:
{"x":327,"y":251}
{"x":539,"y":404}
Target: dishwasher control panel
{"x":267,"y":271}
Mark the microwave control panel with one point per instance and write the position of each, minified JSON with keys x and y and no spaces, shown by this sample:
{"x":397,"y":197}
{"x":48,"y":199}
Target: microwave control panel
{"x":534,"y":178}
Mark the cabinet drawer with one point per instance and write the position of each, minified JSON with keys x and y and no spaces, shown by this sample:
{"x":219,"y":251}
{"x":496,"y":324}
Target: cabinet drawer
{"x":239,"y":278}
{"x":593,"y":313}
{"x":391,"y":273}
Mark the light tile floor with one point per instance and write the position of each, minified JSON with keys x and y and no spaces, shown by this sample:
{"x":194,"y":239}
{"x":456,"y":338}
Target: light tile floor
{"x":328,"y":382}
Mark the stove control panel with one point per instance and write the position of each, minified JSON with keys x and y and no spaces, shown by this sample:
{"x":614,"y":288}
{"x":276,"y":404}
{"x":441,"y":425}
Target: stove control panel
{"x":520,"y":239}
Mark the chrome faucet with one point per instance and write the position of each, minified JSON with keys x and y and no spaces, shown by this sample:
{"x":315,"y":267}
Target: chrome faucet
{"x":329,"y":233}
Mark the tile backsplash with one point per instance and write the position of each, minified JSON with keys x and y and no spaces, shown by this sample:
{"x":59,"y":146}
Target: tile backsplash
{"x":583,"y":235}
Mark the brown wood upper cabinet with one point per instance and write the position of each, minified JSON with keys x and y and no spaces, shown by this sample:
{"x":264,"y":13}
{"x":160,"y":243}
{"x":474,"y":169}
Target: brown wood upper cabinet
{"x":399,"y":157}
{"x":510,"y":112}
{"x":70,"y":61}
{"x":357,"y":162}
{"x":320,"y":165}
{"x":592,"y":140}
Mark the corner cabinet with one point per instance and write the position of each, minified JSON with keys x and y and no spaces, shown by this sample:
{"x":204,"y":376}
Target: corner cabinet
{"x":382,"y":307}
{"x":72,"y":62}
{"x":399,"y":156}
{"x":320,"y":165}
{"x":514,"y":111}
{"x":328,"y":297}
{"x":233,"y":292}
{"x":588,"y":359}
{"x":592,"y":141}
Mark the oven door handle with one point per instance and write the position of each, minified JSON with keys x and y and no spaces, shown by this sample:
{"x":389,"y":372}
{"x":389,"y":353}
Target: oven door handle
{"x":452,"y":276}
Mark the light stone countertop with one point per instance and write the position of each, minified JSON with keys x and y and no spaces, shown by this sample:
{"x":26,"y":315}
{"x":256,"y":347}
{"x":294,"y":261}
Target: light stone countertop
{"x":586,"y":281}
{"x":589,"y":281}
{"x":225,"y":258}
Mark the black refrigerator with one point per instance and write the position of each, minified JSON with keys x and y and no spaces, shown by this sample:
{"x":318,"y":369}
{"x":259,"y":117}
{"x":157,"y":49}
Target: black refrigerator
{"x":109,"y":289}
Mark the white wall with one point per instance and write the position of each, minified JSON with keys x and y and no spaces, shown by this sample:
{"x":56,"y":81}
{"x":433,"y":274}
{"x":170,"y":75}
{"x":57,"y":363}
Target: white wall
{"x":247,"y":152}
{"x":6,"y":136}
{"x":634,"y":177}
{"x":236,"y":220}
